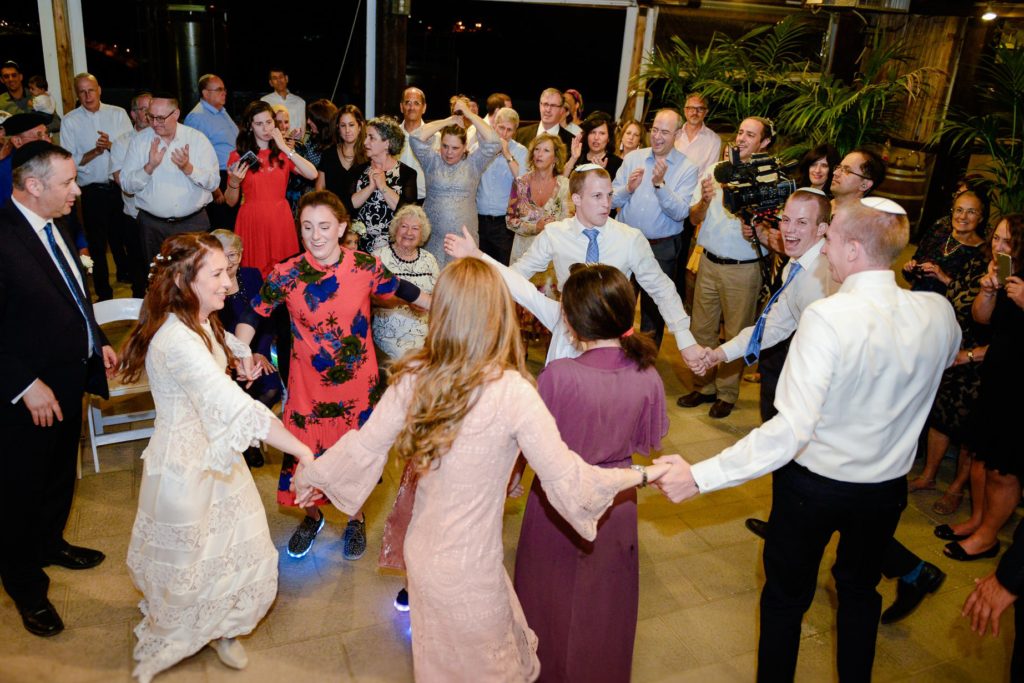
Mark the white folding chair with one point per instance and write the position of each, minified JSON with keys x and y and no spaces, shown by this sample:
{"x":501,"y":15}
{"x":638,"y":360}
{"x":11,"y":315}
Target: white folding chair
{"x":110,"y":311}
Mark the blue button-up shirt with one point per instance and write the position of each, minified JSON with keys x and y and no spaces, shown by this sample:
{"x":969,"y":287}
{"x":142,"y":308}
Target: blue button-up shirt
{"x":656,"y":212}
{"x":496,"y":182}
{"x":217,"y":126}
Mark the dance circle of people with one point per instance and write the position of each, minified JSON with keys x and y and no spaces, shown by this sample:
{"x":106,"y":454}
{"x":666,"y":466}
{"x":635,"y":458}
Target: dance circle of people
{"x":443,"y":245}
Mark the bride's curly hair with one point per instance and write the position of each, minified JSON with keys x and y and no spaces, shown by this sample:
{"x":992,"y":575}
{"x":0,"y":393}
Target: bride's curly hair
{"x":170,"y":291}
{"x":473,"y":337}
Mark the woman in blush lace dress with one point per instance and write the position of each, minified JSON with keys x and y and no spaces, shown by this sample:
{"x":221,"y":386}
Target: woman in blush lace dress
{"x":461,"y":408}
{"x":200,"y":549}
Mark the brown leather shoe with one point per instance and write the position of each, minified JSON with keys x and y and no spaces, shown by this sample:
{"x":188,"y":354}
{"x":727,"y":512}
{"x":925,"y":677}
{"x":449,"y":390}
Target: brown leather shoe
{"x":694,"y":399}
{"x":721,"y":409}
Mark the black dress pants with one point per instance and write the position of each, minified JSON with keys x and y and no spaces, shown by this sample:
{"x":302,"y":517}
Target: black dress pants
{"x":43,"y":462}
{"x":666,"y":253}
{"x":807,"y":509}
{"x":495,"y":238}
{"x":102,"y":211}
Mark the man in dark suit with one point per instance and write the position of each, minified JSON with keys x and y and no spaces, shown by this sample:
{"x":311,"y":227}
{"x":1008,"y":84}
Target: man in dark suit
{"x":52,"y":351}
{"x":550,"y":114}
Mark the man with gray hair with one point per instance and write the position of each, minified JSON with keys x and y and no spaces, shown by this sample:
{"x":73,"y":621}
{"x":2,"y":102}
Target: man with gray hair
{"x":495,"y":186}
{"x":89,"y":132}
{"x":857,"y":387}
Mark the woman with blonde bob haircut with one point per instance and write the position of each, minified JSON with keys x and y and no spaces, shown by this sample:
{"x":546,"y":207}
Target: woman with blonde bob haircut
{"x":461,"y":408}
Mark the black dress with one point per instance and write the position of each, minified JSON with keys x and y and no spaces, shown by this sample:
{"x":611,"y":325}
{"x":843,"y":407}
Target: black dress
{"x":940,"y":248}
{"x":996,"y":417}
{"x":375,"y":213}
{"x":612,"y":166}
{"x":338,"y":179}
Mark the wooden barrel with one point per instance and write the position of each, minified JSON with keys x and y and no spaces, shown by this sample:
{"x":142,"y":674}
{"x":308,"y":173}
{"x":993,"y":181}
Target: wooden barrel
{"x":906,"y":182}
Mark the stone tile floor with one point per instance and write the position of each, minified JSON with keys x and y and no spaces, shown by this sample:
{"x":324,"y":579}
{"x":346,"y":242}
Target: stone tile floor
{"x":700,"y":577}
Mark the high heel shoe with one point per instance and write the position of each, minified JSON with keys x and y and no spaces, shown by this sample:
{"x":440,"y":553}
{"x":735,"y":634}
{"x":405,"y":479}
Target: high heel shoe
{"x":946,"y":533}
{"x":955,"y":551}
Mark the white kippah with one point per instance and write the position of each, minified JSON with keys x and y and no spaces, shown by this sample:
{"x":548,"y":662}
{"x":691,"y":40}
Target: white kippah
{"x":810,"y":190}
{"x":884,"y":205}
{"x":583,"y":168}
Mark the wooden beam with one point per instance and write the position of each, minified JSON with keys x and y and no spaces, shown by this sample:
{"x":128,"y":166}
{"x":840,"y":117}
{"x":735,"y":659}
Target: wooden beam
{"x":65,"y":60}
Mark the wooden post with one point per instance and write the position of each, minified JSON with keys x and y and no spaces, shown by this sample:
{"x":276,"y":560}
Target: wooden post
{"x":65,"y":62}
{"x":392,"y":52}
{"x":634,"y":66}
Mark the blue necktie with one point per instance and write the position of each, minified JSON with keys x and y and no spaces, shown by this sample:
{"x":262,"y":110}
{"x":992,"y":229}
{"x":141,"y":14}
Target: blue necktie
{"x":593,"y":254}
{"x":72,"y":282}
{"x":754,"y":347}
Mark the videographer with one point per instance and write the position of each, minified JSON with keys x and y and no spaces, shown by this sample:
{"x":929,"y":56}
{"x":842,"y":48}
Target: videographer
{"x":728,"y":278}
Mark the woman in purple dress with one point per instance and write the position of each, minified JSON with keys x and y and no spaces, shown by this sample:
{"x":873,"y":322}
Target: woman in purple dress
{"x":581,"y":597}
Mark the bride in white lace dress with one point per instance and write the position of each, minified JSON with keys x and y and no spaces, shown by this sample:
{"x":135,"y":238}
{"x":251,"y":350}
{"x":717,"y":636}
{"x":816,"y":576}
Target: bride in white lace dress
{"x":200,"y":549}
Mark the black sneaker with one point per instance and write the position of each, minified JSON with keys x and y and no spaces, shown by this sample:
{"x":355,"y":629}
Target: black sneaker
{"x":354,"y":539}
{"x":302,"y":540}
{"x":402,"y":601}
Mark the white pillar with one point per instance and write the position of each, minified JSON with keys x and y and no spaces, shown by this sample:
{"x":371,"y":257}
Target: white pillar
{"x":626,"y":58}
{"x":48,"y":37}
{"x":371,"y":59}
{"x":648,"y":49}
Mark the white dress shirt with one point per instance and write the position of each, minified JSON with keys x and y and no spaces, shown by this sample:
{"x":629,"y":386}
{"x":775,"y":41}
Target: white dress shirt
{"x":811,"y":283}
{"x":296,"y":107}
{"x":704,"y":150}
{"x":38,"y":223}
{"x":721,"y":233}
{"x":856,"y":389}
{"x":118,"y":152}
{"x":410,"y":160}
{"x":657,"y":212}
{"x":79,"y":132}
{"x":169,"y":193}
{"x":620,"y":246}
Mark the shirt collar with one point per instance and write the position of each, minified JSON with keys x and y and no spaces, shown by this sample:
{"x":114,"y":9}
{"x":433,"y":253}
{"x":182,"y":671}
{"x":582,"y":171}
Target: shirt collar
{"x":553,"y":130}
{"x":35,"y":220}
{"x":868,"y":279}
{"x":210,"y":108}
{"x":579,"y":227}
{"x":811,"y":254}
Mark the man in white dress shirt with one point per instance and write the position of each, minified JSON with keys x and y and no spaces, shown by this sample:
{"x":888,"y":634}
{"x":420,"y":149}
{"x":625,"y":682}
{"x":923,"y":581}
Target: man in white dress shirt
{"x":88,"y":133}
{"x":295,"y":105}
{"x":133,"y":233}
{"x":856,"y":389}
{"x":172,"y":170}
{"x":592,"y":237}
{"x":413,"y":106}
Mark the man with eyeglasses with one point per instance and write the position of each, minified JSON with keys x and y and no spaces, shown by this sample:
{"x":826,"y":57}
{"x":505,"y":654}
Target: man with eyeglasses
{"x":211,"y":118}
{"x":550,"y":116}
{"x":859,"y":174}
{"x":133,"y":238}
{"x":19,"y":130}
{"x":172,"y":170}
{"x":88,"y":132}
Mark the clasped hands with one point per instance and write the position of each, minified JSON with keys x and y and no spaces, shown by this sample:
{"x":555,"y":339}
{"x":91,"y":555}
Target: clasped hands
{"x":673,"y":477}
{"x":701,"y":359}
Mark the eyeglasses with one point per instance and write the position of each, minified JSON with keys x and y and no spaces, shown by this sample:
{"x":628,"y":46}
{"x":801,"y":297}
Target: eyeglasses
{"x":214,"y":89}
{"x":161,"y":119}
{"x":548,"y":105}
{"x":843,"y":168}
{"x":970,"y":213}
{"x":695,"y":108}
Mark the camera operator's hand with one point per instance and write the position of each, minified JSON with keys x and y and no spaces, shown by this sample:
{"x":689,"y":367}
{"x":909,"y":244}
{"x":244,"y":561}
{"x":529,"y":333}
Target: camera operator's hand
{"x":748,"y":231}
{"x":634,"y":180}
{"x":660,"y":167}
{"x":707,"y":190}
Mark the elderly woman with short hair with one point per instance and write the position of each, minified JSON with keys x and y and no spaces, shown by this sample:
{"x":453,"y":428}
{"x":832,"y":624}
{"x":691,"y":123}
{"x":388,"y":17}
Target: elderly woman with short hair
{"x":384,"y":184}
{"x":397,"y":327}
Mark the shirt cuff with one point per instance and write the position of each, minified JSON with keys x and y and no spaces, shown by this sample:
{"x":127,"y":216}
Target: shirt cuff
{"x":684,"y":338}
{"x":732,"y":350}
{"x":709,"y":475}
{"x":24,"y":391}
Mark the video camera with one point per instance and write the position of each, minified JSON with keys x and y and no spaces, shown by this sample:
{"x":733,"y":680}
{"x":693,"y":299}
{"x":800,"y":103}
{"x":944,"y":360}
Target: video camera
{"x":755,"y":187}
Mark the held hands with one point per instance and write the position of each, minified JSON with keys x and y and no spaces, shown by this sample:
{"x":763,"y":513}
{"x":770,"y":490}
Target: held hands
{"x":634,"y":180}
{"x":461,"y":246}
{"x":305,"y":493}
{"x":180,"y":158}
{"x":677,"y":481}
{"x":986,"y":604}
{"x":701,"y":359}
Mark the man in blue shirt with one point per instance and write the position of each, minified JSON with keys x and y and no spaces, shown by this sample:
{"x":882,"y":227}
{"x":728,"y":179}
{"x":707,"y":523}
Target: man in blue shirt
{"x":652,"y":191}
{"x":211,"y":119}
{"x":495,"y":186}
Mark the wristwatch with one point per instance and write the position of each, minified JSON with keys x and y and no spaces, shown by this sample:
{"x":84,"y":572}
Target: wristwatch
{"x":970,"y":355}
{"x":658,"y":186}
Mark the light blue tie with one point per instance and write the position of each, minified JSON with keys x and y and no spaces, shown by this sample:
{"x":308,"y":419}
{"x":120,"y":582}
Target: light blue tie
{"x":593,"y":254}
{"x":754,"y":347}
{"x":72,"y":282}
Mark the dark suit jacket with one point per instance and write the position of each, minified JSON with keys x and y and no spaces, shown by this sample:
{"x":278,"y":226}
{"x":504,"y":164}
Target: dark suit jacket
{"x":526,"y":135}
{"x":42,"y":331}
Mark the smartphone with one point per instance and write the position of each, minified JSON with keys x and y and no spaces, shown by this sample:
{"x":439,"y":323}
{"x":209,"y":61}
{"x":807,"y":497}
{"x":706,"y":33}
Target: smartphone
{"x":1004,"y":267}
{"x":251,"y":160}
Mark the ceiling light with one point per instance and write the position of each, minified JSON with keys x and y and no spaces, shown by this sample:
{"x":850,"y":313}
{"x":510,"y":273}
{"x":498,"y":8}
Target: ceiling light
{"x":989,"y":14}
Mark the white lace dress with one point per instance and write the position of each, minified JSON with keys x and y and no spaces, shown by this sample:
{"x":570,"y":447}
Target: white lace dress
{"x":200,"y":550}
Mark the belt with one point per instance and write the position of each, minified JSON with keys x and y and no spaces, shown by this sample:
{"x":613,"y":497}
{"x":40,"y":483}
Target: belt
{"x":657,"y":240}
{"x":727,"y":261}
{"x":173,"y":220}
{"x":101,"y":186}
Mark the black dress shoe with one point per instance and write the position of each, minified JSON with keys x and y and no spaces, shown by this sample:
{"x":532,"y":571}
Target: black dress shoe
{"x":74,"y":557}
{"x":41,"y":619}
{"x":910,"y":595}
{"x":758,"y":527}
{"x":694,"y":399}
{"x":721,"y":409}
{"x":946,"y":533}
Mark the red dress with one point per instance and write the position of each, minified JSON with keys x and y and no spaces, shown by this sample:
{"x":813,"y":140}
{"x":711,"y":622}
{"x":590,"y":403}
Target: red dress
{"x":333,"y":382}
{"x":265,"y":222}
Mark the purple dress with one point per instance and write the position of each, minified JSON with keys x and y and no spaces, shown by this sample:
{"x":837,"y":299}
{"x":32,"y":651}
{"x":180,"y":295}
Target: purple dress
{"x":581,"y":598}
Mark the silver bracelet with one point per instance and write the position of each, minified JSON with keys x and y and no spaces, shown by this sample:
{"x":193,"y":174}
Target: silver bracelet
{"x":643,"y":472}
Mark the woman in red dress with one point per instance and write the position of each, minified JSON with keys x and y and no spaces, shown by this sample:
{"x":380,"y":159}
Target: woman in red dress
{"x":265,"y":221}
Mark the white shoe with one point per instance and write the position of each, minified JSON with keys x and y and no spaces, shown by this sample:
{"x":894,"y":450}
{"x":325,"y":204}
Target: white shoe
{"x":231,"y":652}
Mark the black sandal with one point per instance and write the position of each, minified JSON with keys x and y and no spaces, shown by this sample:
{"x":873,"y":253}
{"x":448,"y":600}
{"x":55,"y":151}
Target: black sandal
{"x":955,"y":551}
{"x":946,"y":533}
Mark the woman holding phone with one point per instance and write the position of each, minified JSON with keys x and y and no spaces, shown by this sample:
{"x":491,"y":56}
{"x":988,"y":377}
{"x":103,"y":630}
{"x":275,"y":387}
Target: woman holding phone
{"x":258,"y":172}
{"x":998,"y":467}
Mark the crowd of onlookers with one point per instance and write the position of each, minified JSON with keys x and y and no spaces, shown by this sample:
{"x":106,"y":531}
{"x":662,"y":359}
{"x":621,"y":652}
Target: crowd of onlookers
{"x":335,"y":230}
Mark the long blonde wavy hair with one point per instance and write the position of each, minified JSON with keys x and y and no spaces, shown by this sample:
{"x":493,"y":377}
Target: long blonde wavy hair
{"x":472,"y":338}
